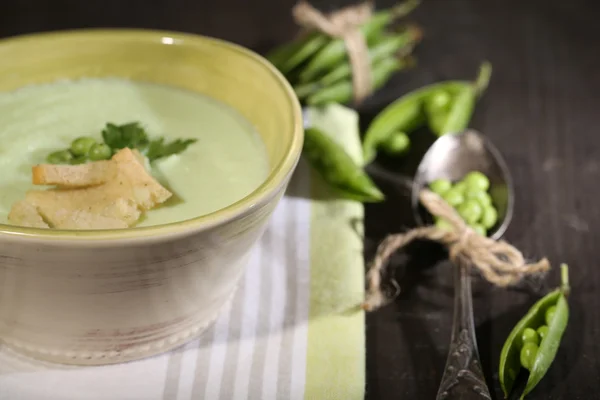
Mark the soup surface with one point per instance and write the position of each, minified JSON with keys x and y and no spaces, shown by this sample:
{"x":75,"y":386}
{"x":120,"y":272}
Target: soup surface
{"x":227,"y":162}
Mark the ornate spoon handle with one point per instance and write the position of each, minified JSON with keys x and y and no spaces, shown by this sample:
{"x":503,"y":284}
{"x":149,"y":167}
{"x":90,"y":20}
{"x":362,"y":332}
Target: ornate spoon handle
{"x":463,"y":378}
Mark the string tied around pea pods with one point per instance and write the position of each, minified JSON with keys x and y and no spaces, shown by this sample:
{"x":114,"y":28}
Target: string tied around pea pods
{"x":343,"y":24}
{"x":498,"y":262}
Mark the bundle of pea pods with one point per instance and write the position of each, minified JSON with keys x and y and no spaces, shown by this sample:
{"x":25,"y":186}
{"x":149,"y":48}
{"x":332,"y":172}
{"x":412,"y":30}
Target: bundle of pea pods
{"x":318,"y":68}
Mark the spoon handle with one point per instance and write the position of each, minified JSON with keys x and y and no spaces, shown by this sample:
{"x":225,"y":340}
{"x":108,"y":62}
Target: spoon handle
{"x":463,"y":378}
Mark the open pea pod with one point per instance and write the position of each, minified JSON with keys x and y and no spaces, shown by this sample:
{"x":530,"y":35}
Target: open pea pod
{"x":548,"y":317}
{"x":337,"y":168}
{"x":405,"y":114}
{"x":459,"y":115}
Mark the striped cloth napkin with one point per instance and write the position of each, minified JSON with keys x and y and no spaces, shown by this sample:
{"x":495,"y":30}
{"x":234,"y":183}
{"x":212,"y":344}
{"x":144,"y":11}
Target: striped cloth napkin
{"x":293,"y":330}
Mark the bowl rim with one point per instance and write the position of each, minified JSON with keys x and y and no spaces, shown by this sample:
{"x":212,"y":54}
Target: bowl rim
{"x":244,"y":206}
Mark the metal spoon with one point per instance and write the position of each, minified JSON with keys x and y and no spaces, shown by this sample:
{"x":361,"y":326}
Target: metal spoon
{"x":452,"y":157}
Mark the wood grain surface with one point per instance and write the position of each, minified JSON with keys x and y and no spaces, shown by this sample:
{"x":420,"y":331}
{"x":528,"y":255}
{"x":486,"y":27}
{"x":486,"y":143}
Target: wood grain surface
{"x":541,"y":110}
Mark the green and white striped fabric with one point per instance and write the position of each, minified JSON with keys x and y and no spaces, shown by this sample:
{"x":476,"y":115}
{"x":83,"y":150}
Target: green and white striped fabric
{"x":292,"y":331}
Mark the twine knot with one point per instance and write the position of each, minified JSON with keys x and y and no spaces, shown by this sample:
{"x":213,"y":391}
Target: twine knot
{"x":343,"y":24}
{"x":499,"y":262}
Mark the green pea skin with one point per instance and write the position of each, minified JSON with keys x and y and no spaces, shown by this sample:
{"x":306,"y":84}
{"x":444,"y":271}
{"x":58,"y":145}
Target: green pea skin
{"x":443,"y":224}
{"x":542,"y":331}
{"x":489,"y":217}
{"x":397,"y":143}
{"x":440,"y":186}
{"x":528,"y":354}
{"x":460,"y":186}
{"x":81,"y":146}
{"x":436,"y":108}
{"x":439,"y":101}
{"x":453,"y":197}
{"x":78,"y":160}
{"x":482,"y":197}
{"x":100,"y":151}
{"x":550,"y":314}
{"x":59,"y":157}
{"x":470,"y":211}
{"x":530,"y":335}
{"x":477,"y":180}
{"x":479,"y":229}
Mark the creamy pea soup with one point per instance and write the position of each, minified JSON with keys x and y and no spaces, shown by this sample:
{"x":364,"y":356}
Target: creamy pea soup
{"x":227,"y":162}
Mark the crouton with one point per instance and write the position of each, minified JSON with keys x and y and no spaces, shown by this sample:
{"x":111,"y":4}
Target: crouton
{"x":26,"y":214}
{"x":99,"y":195}
{"x":68,"y":176}
{"x":134,"y":182}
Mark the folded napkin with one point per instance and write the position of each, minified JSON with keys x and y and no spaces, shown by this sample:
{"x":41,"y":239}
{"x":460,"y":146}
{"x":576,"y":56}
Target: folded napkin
{"x":293,"y":330}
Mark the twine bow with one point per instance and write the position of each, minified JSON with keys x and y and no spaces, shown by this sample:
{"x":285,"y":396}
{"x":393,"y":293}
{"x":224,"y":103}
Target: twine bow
{"x":498,"y":261}
{"x":344,"y":24}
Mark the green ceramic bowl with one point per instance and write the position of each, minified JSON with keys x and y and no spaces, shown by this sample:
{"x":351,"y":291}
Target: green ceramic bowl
{"x":98,"y":297}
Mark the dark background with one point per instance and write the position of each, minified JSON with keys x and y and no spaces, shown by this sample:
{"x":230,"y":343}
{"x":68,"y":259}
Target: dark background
{"x":541,"y":110}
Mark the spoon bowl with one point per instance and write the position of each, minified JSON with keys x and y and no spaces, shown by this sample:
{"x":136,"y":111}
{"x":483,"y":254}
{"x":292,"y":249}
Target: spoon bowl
{"x":452,"y":157}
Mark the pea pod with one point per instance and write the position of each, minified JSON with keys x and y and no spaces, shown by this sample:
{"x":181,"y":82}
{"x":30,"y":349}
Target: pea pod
{"x":387,"y":47}
{"x":306,"y":89}
{"x":459,"y":115}
{"x":337,"y":168}
{"x":314,"y":42}
{"x":280,"y":54}
{"x":405,"y":114}
{"x":341,"y":92}
{"x":510,"y":358}
{"x":335,"y":51}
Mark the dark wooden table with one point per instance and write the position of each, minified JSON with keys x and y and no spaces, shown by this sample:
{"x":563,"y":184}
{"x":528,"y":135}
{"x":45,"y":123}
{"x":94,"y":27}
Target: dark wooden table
{"x":540,"y":110}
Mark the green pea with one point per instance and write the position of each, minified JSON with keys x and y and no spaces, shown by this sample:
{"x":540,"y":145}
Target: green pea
{"x":78,"y":160}
{"x":443,"y":224}
{"x":100,"y":151}
{"x":470,"y":211}
{"x":489,"y":217}
{"x":542,"y":331}
{"x":453,"y":197}
{"x":59,"y":157}
{"x":438,"y":101}
{"x":530,"y":335}
{"x":436,"y":107}
{"x":396,"y":143}
{"x":482,"y":197}
{"x":477,"y":180}
{"x":550,"y":314}
{"x":480,"y":229}
{"x":440,"y":186}
{"x":81,"y":146}
{"x":528,"y":354}
{"x":460,"y":186}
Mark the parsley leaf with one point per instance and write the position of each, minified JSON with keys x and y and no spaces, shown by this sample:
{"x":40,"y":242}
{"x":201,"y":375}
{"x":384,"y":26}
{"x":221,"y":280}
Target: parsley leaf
{"x":130,"y":135}
{"x":134,"y":136}
{"x":158,"y":148}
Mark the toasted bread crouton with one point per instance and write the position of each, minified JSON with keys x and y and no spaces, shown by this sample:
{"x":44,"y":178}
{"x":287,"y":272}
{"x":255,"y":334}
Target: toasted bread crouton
{"x":99,"y":195}
{"x":134,"y":182}
{"x":26,"y":214}
{"x":82,"y":219}
{"x":73,"y":176}
{"x":60,"y":208}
